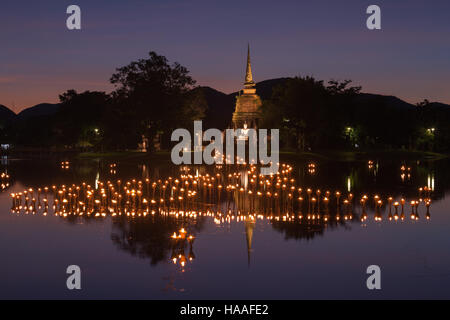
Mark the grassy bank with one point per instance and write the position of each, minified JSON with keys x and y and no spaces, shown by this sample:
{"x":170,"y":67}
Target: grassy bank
{"x":109,"y":155}
{"x":125,"y":155}
{"x":324,"y":155}
{"x":332,"y":155}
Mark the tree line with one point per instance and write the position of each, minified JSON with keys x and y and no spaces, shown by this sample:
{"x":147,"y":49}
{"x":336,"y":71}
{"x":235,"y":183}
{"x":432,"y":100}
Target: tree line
{"x":152,"y":97}
{"x":313,"y":115}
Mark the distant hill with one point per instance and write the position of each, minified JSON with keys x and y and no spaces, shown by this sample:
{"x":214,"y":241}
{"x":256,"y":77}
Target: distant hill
{"x":390,"y":101}
{"x":220,"y":108}
{"x":42,"y":109}
{"x":221,"y":105}
{"x":264,"y":88}
{"x":6,"y":114}
{"x":394,"y":102}
{"x":439,"y":105}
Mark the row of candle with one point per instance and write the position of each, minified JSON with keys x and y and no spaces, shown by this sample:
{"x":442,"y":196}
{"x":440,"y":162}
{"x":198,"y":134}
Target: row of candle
{"x":242,"y":191}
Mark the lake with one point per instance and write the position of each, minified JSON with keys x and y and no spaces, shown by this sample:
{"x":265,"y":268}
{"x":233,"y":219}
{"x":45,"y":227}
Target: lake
{"x":224,"y":232}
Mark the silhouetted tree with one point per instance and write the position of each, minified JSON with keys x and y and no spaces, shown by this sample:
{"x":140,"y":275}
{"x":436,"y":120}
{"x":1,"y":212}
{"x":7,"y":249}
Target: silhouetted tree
{"x":149,"y":99}
{"x":311,"y":114}
{"x":79,"y":120}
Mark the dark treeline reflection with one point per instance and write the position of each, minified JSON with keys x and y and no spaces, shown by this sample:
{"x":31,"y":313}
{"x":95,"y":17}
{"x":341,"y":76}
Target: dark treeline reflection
{"x":304,"y":229}
{"x":384,"y":177}
{"x":149,"y":237}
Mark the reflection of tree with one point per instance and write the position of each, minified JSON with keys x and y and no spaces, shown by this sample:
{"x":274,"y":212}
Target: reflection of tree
{"x":306,"y":229}
{"x":149,"y":237}
{"x":299,"y":229}
{"x":300,"y":208}
{"x":386,"y":182}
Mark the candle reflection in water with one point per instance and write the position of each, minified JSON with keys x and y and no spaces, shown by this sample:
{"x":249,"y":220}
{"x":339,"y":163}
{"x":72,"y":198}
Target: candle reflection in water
{"x":4,"y":181}
{"x":230,"y":194}
{"x":65,"y":165}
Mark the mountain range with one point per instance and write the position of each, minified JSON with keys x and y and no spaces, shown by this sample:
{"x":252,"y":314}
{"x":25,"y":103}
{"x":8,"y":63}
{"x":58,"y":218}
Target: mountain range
{"x":42,"y":109}
{"x":220,"y":105}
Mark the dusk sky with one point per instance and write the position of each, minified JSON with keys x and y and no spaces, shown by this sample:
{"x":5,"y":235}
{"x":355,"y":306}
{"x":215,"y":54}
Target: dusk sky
{"x":410,"y":57}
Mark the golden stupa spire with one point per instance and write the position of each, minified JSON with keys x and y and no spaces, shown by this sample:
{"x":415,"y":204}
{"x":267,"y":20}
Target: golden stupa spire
{"x":248,"y":73}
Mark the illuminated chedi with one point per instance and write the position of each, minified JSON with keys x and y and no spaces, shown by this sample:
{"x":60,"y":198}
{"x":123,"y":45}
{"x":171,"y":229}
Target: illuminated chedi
{"x":247,"y":112}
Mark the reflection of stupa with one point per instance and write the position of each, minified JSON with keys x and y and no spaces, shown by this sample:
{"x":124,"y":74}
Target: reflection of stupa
{"x":247,"y":113}
{"x":249,"y":226}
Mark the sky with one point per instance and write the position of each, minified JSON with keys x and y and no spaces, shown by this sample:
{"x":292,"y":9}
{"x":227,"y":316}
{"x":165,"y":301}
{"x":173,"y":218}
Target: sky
{"x":409,"y":57}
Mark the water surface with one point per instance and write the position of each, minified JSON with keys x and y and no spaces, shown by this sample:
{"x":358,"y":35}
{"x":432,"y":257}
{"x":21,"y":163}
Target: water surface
{"x":269,"y":258}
